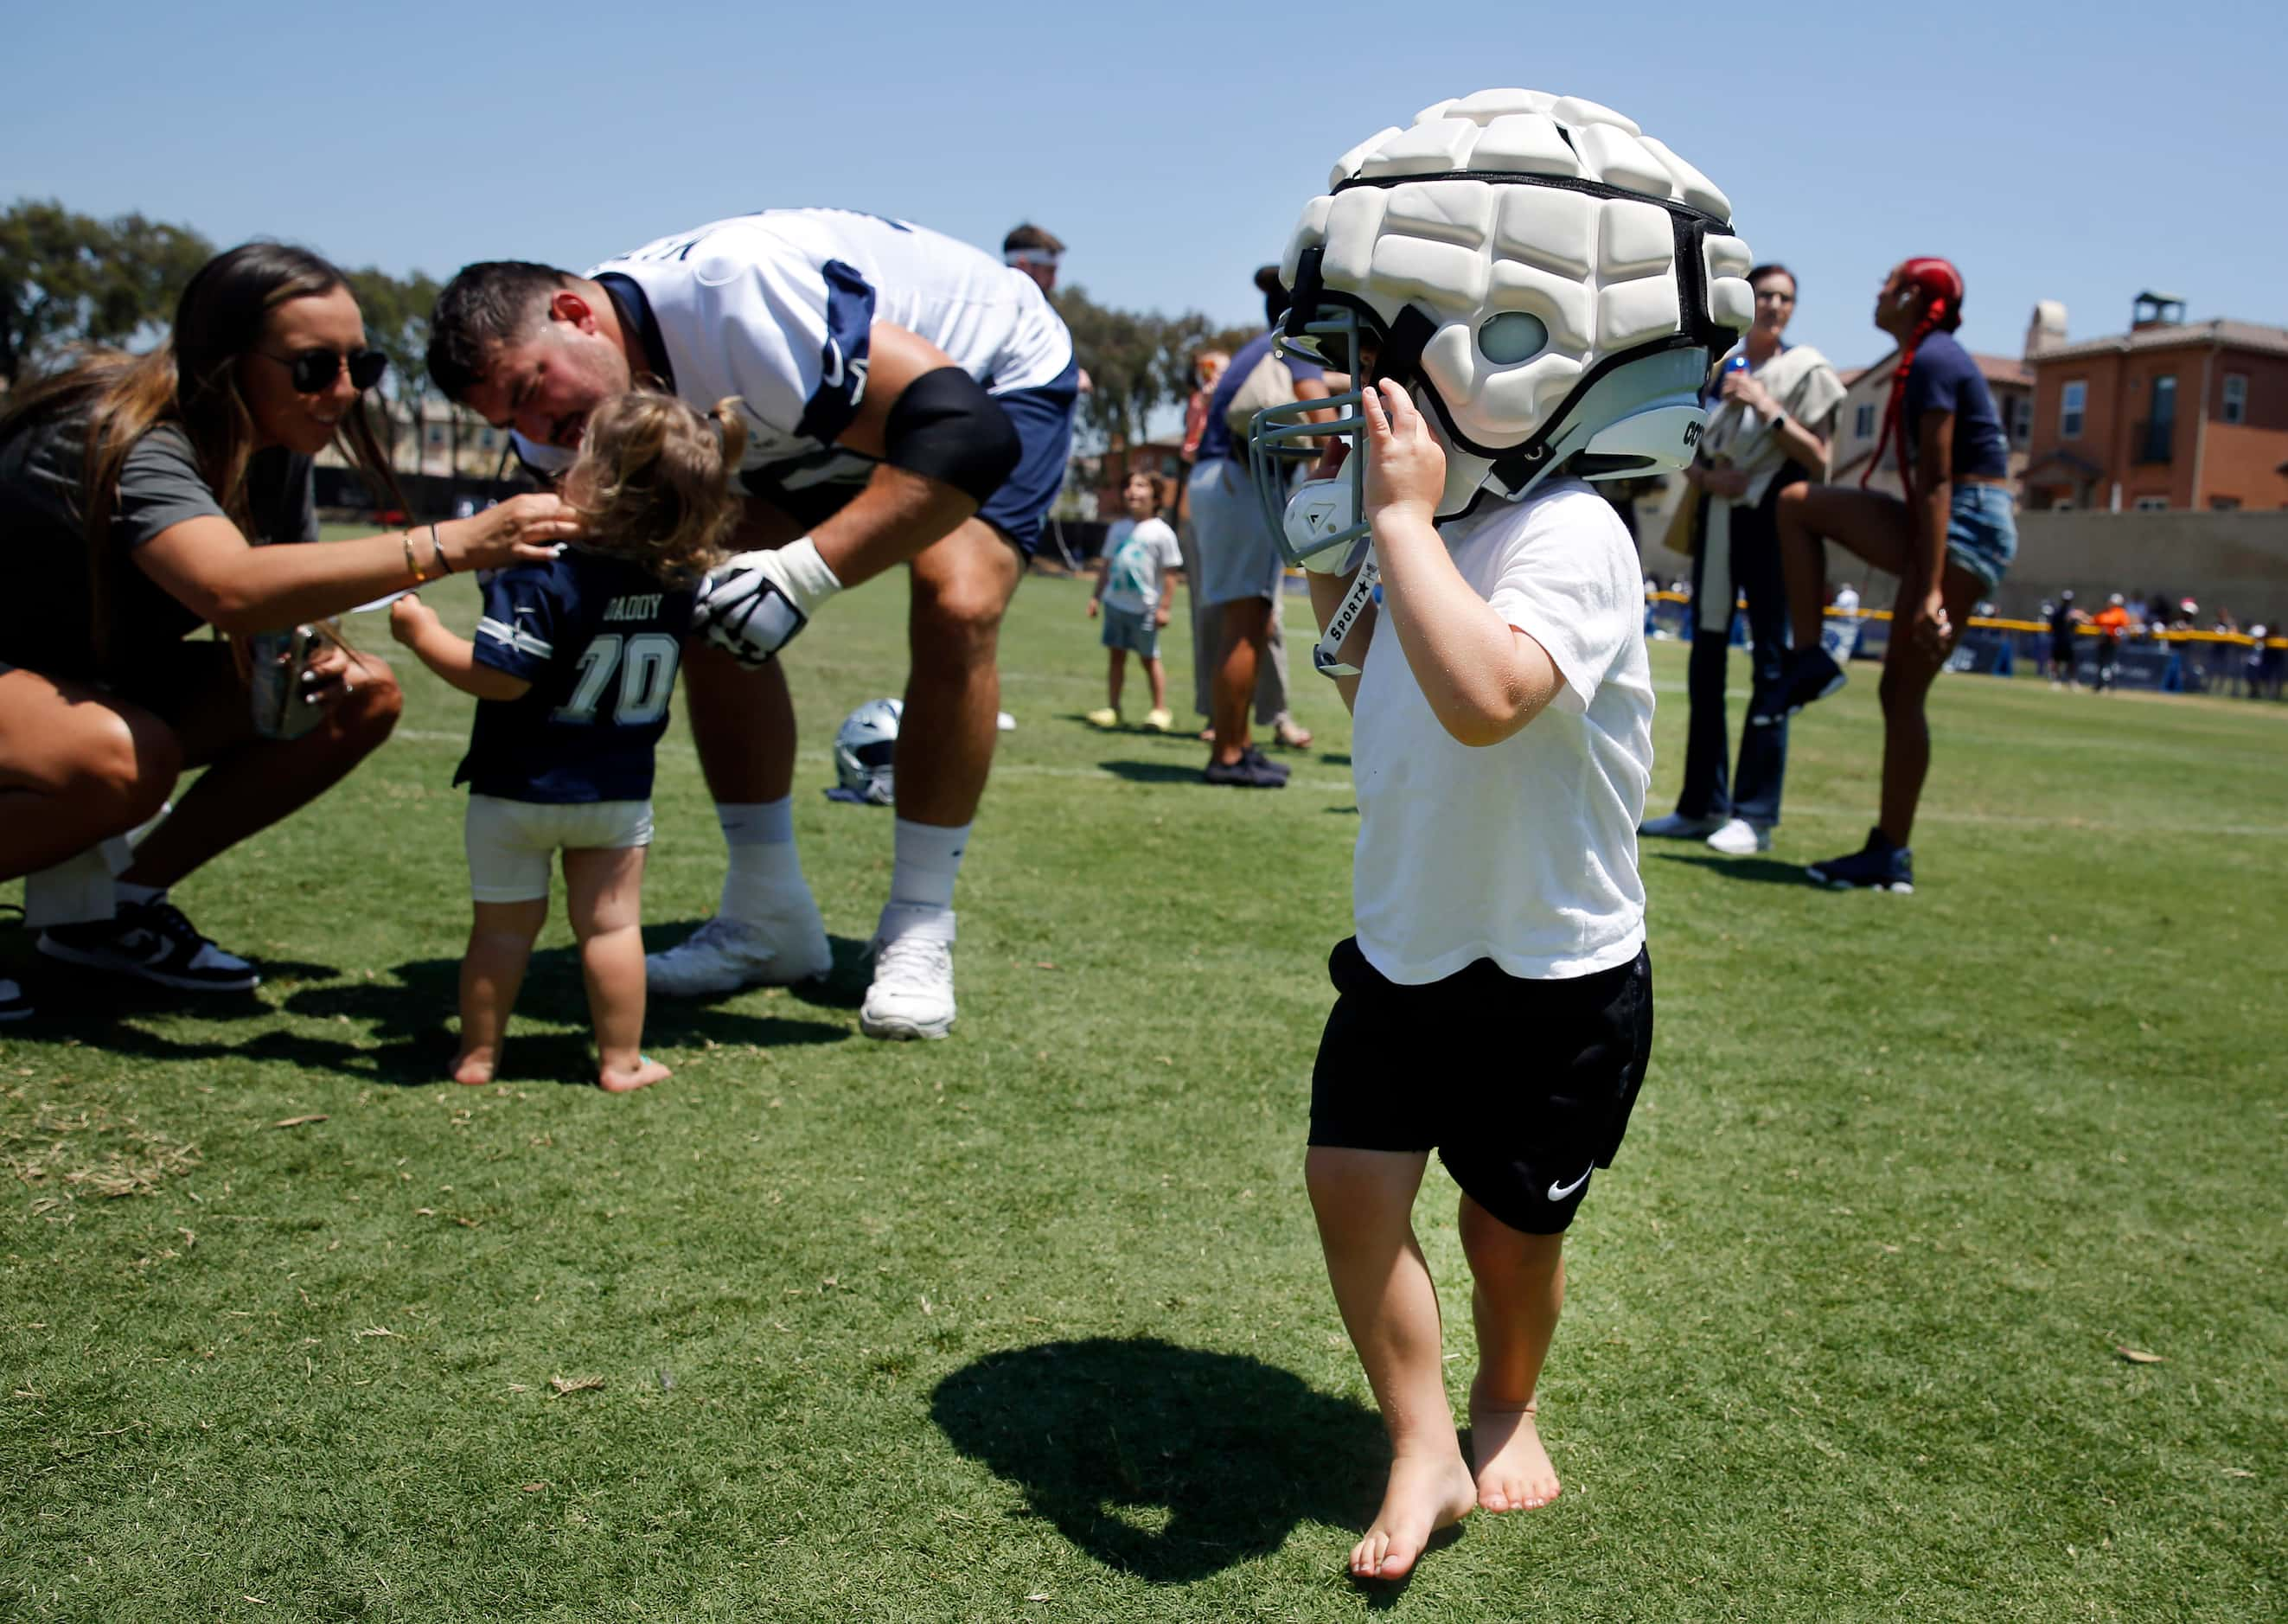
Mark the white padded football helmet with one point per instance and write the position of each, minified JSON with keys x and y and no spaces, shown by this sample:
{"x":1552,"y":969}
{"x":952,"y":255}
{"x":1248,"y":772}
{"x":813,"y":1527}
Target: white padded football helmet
{"x":864,"y":747}
{"x":1550,"y":283}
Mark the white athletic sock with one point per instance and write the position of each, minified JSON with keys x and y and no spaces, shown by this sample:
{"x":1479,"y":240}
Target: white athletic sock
{"x":756,"y":823}
{"x":759,"y":836}
{"x":927,"y":862}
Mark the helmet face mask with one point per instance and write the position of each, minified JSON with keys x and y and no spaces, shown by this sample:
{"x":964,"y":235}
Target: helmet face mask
{"x":1551,"y":287}
{"x":1317,"y":525}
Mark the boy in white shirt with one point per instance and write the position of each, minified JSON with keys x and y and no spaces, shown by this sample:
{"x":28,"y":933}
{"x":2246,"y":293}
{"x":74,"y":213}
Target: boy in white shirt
{"x":1135,"y":581}
{"x":1535,"y":290}
{"x":1502,"y":745}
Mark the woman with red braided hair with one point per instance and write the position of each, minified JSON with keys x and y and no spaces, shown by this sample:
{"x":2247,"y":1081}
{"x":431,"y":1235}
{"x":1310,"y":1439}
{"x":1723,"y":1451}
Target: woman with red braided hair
{"x":1950,"y":543}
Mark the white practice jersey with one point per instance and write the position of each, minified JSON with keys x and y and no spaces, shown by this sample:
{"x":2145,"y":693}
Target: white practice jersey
{"x":777,"y":309}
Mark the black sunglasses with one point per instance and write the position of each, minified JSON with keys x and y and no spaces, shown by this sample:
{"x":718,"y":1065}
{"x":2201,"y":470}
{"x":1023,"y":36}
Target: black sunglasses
{"x":312,"y":371}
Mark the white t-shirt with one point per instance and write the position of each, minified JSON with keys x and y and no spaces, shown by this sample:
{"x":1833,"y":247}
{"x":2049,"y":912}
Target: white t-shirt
{"x":1137,"y":555}
{"x":778,"y":307}
{"x":1524,"y":852}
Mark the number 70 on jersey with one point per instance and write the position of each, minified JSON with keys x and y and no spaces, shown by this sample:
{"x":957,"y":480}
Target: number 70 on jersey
{"x":645,"y":664}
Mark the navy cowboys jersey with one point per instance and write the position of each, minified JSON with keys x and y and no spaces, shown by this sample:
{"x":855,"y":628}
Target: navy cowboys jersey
{"x":599,"y":639}
{"x":778,"y":307}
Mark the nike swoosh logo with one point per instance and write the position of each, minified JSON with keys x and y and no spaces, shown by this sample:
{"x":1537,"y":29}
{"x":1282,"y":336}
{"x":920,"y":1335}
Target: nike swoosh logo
{"x":1558,"y":1192}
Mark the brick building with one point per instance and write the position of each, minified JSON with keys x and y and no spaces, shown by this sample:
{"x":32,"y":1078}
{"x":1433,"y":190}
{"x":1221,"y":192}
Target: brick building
{"x":2170,"y":416}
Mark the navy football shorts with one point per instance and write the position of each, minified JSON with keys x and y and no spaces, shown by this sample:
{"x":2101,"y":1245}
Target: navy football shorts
{"x":1043,"y":417}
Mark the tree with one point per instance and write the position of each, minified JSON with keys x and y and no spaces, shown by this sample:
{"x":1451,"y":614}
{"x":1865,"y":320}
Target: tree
{"x":1187,"y":336}
{"x":1120,"y":350}
{"x":1136,"y":361}
{"x":396,"y":312}
{"x":69,"y":279}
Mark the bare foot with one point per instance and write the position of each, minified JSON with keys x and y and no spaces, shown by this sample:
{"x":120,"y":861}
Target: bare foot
{"x":1513,"y":1470}
{"x":1292,"y":735}
{"x":646,"y":1073}
{"x":475,"y":1067}
{"x":1425,"y":1493}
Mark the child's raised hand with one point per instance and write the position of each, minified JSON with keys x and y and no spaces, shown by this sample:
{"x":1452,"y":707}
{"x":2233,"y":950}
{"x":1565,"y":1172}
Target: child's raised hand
{"x":407,"y":615}
{"x":1405,"y":470}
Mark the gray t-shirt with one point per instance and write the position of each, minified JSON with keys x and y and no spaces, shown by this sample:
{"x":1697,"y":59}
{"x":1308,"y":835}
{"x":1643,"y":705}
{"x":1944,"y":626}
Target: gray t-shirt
{"x":46,"y":620}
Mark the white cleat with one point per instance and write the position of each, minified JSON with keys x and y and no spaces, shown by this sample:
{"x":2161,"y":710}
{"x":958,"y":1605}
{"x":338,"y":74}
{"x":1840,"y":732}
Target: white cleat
{"x":912,"y":994}
{"x":725,"y":954}
{"x":1739,"y":837}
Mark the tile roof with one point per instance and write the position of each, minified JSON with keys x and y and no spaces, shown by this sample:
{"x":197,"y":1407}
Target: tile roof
{"x":2004,"y":370}
{"x":2237,"y":335}
{"x":1994,"y":369}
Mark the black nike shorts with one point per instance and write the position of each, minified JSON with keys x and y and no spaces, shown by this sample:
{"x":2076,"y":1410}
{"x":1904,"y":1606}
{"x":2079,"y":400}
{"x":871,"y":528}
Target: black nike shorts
{"x":1522,"y":1087}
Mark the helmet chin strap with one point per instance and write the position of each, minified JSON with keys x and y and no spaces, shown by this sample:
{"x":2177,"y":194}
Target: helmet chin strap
{"x":1326,"y":654}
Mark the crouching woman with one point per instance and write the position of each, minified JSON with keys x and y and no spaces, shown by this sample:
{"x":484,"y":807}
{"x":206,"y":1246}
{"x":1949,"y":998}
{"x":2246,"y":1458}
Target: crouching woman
{"x":136,"y":494}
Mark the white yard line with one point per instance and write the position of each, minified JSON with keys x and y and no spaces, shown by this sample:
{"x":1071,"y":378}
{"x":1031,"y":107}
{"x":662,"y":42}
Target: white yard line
{"x":1342,"y":786}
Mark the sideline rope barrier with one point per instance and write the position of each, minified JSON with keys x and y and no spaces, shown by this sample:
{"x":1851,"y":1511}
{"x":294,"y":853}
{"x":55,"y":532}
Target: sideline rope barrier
{"x":1995,"y":622}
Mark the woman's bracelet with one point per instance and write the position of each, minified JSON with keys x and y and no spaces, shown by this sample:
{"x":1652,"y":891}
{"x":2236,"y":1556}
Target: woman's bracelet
{"x":412,"y":564}
{"x":437,"y":551}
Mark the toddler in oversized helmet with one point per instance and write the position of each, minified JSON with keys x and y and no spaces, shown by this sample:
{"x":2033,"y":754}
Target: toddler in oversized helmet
{"x":1528,"y":293}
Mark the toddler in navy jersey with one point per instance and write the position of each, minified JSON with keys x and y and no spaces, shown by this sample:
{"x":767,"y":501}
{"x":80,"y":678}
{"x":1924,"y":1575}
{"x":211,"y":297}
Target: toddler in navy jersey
{"x":572,"y":666}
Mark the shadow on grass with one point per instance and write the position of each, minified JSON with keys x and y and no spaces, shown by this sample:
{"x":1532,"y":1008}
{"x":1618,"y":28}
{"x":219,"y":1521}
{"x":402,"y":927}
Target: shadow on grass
{"x":413,"y":1014}
{"x":407,"y":1015}
{"x":1170,"y":1463}
{"x":1754,"y":871}
{"x":64,"y":993}
{"x":1154,"y":772}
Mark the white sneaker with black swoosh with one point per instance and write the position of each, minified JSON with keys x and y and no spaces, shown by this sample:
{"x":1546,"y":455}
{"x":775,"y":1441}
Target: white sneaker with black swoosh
{"x":912,"y":993}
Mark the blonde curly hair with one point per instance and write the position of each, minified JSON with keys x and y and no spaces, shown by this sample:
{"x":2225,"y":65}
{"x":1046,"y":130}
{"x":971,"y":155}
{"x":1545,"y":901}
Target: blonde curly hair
{"x":653,"y":481}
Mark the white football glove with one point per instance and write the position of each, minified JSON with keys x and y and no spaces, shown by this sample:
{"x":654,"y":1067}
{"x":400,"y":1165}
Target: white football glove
{"x":752,"y":604}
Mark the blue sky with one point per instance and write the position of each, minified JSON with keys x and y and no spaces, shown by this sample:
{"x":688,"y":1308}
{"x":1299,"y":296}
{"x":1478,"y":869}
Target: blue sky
{"x":2079,"y":153}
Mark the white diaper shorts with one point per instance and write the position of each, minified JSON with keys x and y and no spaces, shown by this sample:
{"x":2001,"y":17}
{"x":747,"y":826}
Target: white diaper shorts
{"x":510,"y":843}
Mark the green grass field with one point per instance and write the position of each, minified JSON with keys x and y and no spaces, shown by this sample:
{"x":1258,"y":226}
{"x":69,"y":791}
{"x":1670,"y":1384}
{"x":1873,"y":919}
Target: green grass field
{"x":1030,"y":1325}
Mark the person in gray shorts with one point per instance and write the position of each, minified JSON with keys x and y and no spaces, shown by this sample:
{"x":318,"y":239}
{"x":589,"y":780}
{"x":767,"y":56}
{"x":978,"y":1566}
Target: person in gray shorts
{"x":1240,"y":566}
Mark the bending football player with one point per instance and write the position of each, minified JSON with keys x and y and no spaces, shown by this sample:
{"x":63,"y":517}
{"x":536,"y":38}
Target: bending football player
{"x":1530,"y":291}
{"x":908,"y":399}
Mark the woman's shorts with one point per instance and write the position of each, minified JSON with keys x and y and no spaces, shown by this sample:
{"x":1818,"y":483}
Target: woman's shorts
{"x":1981,"y":532}
{"x":1535,"y":1092}
{"x":1239,"y":558}
{"x":1132,"y":630}
{"x":510,"y":842}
